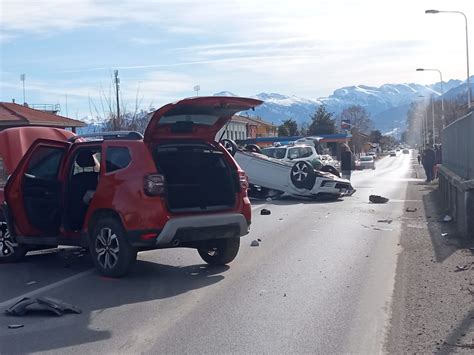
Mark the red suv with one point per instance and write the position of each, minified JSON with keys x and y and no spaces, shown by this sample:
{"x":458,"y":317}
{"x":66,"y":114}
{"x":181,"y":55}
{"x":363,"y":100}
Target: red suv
{"x":123,"y":193}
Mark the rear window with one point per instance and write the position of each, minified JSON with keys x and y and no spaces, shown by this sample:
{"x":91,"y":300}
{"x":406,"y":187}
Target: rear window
{"x":117,"y":158}
{"x":366,"y":159}
{"x":207,"y":120}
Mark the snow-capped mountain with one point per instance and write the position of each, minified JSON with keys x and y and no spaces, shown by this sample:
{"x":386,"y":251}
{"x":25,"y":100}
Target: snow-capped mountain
{"x":387,"y":104}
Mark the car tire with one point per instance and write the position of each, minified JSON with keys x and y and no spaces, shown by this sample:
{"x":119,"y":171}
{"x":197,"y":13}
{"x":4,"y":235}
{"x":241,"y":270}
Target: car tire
{"x":111,"y":252}
{"x":220,"y":251}
{"x":10,"y":252}
{"x":303,"y":175}
{"x":253,"y":148}
{"x":230,"y":146}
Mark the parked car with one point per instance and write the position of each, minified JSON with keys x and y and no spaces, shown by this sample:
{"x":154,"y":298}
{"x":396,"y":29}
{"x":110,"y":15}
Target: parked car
{"x":372,"y":154}
{"x":406,"y":151}
{"x":393,"y":153}
{"x":294,"y":178}
{"x":121,"y":193}
{"x":365,"y":162}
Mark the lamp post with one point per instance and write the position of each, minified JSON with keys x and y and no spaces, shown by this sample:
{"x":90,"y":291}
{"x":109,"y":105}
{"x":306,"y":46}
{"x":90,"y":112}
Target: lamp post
{"x":442,"y":92}
{"x":467,"y":49}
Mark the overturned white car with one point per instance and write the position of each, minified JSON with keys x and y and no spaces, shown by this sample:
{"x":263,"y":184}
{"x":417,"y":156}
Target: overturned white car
{"x":275,"y":177}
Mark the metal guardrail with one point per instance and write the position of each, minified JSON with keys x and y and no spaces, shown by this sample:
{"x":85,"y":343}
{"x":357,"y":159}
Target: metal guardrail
{"x":46,"y":107}
{"x":458,"y":147}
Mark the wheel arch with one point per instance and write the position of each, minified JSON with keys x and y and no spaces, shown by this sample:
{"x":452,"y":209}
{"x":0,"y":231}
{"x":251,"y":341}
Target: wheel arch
{"x":102,"y":213}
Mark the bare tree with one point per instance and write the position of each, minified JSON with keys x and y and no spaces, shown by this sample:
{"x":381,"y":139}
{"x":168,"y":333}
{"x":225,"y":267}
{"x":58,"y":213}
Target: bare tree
{"x":358,"y":117}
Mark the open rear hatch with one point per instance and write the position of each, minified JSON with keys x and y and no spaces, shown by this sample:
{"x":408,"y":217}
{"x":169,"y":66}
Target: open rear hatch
{"x":198,"y":118}
{"x":182,"y":135}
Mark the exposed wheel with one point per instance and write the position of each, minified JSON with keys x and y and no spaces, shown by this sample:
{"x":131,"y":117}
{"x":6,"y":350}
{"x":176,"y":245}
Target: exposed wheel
{"x":330,"y":169}
{"x":302,"y":175}
{"x":253,"y":148}
{"x":10,"y":251}
{"x":230,"y":146}
{"x":110,"y":250}
{"x":220,"y":251}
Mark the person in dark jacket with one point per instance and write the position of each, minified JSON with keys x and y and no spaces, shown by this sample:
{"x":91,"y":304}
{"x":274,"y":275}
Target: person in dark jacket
{"x":429,"y":163}
{"x":347,"y":162}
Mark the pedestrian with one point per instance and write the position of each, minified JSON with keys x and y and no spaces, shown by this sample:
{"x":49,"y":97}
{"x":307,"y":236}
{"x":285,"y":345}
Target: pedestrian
{"x":419,"y":158}
{"x":430,"y":161}
{"x":347,"y":164}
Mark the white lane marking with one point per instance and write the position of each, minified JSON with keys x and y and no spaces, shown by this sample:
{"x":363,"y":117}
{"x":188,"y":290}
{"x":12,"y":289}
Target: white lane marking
{"x":46,"y":288}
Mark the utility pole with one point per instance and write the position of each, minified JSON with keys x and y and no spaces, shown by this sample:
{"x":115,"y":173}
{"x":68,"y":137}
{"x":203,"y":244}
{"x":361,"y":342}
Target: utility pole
{"x":117,"y":119}
{"x":22,"y":78}
{"x":197,"y":88}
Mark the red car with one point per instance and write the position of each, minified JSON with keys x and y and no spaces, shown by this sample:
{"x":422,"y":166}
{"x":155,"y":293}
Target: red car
{"x":123,"y":193}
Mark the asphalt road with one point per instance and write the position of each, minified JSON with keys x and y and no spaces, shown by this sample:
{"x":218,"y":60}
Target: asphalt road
{"x":321,"y":281}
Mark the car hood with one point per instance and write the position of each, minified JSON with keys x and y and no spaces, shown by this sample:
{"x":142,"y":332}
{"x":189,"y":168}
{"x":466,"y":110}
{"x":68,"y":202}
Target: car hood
{"x":195,"y":118}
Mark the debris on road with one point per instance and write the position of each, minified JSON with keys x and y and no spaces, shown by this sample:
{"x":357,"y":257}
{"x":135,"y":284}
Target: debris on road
{"x":382,"y":229}
{"x":259,"y":240}
{"x":461,"y":268}
{"x":378,"y":199}
{"x":444,"y":235}
{"x":268,"y":199}
{"x":254,"y":243}
{"x":385,"y":221}
{"x":284,"y":295}
{"x":26,"y":304}
{"x":265,"y":212}
{"x":409,"y":209}
{"x":15,"y":326}
{"x":467,"y":346}
{"x":447,"y":218}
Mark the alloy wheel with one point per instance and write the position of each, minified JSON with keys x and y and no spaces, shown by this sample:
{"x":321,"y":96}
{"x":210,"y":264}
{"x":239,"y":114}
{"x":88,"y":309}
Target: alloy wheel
{"x":107,"y":248}
{"x":301,"y":171}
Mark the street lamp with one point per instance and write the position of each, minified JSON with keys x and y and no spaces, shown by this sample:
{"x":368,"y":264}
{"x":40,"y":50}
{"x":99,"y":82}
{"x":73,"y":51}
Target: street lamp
{"x":467,"y":49}
{"x":442,"y":92}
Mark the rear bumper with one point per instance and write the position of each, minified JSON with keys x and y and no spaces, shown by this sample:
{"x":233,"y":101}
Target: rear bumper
{"x":196,"y":228}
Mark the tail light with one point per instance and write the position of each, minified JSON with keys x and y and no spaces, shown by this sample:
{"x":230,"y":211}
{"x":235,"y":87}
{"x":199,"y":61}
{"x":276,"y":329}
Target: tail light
{"x":244,"y":182}
{"x":154,"y":185}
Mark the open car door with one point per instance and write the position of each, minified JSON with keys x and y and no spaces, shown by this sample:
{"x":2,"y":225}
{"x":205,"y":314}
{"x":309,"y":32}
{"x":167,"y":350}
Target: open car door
{"x":33,"y":192}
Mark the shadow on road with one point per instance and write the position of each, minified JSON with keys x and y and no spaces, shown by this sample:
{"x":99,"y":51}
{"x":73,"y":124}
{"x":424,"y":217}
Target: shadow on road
{"x":95,"y":295}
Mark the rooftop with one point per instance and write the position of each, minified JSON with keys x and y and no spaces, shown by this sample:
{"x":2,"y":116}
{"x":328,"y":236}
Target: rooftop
{"x":13,"y":115}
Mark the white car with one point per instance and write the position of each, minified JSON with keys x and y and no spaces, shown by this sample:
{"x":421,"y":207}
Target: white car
{"x":365,"y":162}
{"x":293,"y":178}
{"x":294,"y":153}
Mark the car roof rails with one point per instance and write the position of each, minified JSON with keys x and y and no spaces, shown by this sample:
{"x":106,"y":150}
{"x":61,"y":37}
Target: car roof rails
{"x":125,"y":135}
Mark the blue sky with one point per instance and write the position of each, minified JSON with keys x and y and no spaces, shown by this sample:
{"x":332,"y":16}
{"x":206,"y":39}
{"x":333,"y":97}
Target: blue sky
{"x":163,"y":48}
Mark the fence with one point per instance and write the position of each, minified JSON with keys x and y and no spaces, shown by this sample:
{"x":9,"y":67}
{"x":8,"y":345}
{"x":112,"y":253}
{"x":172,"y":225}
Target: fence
{"x":458,"y":147}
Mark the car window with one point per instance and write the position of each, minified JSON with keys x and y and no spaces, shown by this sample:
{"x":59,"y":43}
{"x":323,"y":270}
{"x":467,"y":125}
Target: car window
{"x":3,"y":173}
{"x":305,"y":152}
{"x":44,"y":162}
{"x":117,"y":158}
{"x":366,"y":159}
{"x":96,"y":156}
{"x":294,"y":153}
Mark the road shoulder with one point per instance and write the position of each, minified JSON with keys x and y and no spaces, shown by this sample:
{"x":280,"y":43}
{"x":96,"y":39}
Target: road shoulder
{"x":432,"y":309}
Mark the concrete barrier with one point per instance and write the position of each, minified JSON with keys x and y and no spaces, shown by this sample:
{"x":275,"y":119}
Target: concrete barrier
{"x":456,"y":175}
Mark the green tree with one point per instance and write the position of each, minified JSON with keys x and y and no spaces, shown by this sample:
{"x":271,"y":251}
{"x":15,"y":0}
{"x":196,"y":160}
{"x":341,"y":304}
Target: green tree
{"x":322,"y":122}
{"x":288,"y":128}
{"x":283,"y":131}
